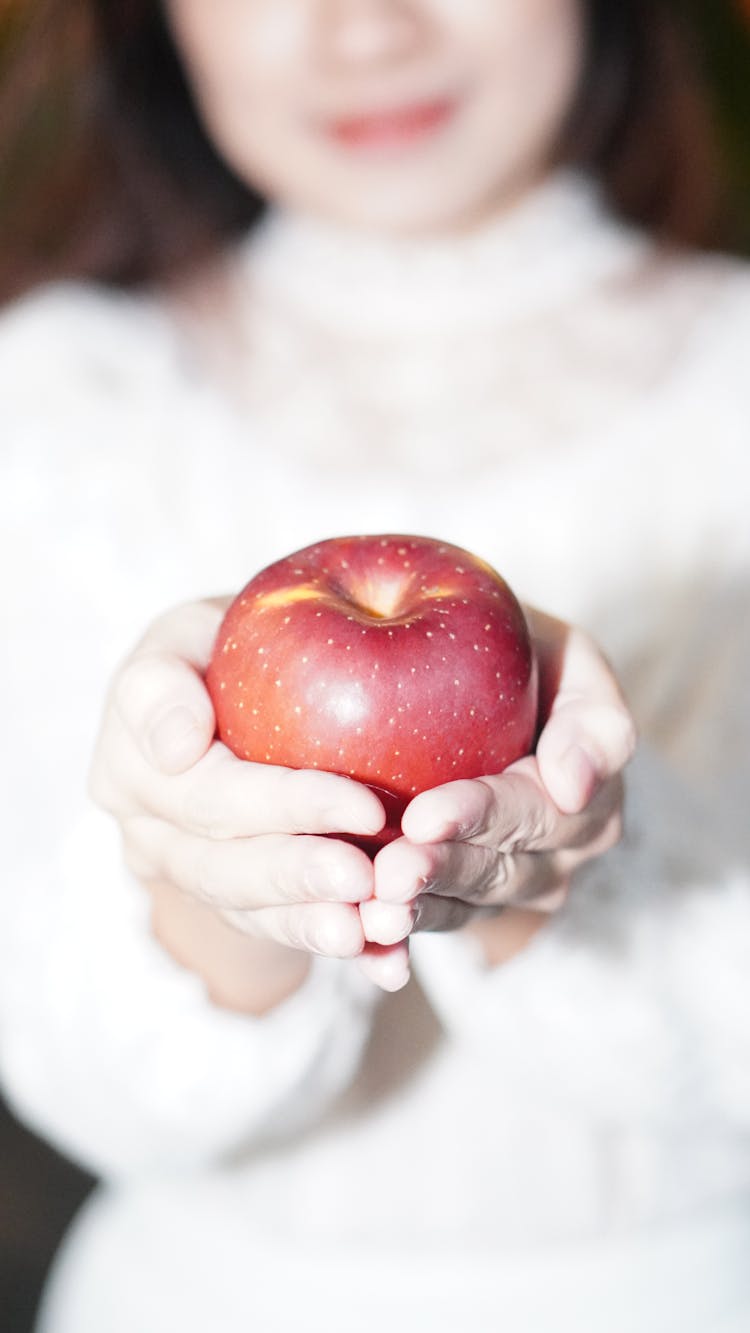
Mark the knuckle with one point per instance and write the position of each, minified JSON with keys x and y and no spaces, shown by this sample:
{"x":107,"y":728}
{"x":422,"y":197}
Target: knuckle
{"x":292,"y":795}
{"x":203,"y":874}
{"x":284,"y":874}
{"x":202,"y":812}
{"x":296,"y":931}
{"x":500,"y":885}
{"x":536,"y":826}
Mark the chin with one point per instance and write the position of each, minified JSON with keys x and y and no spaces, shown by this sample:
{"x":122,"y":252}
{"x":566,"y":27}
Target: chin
{"x":407,"y":211}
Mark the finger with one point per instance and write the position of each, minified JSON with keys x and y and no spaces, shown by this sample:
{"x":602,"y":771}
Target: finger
{"x":510,"y":812}
{"x":226,"y":797}
{"x":159,"y":693}
{"x":249,"y":873}
{"x":406,"y":873}
{"x":189,"y":631}
{"x":589,"y":733}
{"x":441,"y":914}
{"x":332,"y":930}
{"x":166,"y":709}
{"x":387,"y":966}
{"x":386,"y":923}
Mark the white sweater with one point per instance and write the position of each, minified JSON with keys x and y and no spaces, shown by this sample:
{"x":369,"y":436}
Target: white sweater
{"x":561,"y":1142}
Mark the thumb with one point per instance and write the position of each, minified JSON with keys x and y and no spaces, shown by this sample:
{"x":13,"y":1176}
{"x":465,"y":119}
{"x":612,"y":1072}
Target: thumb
{"x":160,"y":694}
{"x":589,"y":735}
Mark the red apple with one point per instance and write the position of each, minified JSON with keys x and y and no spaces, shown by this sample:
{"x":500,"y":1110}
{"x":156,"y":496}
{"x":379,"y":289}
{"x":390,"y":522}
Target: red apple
{"x":400,"y":661}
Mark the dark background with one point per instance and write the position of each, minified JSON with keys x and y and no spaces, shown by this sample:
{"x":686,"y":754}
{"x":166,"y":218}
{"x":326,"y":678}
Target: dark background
{"x":39,"y":1191}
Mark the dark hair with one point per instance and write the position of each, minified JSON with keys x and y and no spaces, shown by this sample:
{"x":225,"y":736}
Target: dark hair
{"x":115,"y":178}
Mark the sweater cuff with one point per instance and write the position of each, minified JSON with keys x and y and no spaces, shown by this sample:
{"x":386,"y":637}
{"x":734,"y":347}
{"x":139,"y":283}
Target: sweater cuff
{"x":115,"y":1052}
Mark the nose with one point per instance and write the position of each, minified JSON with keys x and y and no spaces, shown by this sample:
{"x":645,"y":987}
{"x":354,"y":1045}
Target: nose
{"x":372,"y":31}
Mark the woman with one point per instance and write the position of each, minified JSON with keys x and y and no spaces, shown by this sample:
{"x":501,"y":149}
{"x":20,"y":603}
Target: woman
{"x":440,"y":326}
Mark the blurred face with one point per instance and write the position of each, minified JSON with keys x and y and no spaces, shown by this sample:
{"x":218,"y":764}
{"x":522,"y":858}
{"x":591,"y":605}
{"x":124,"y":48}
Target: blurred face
{"x":404,"y":115}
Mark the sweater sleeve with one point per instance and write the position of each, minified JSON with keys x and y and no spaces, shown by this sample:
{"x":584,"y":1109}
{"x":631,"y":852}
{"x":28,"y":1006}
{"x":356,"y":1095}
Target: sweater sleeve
{"x":634,"y":1001}
{"x":116,"y":1055}
{"x":107,"y":1047}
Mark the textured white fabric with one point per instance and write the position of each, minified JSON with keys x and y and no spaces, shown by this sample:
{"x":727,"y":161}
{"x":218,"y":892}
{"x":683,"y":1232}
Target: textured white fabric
{"x":574,"y":407}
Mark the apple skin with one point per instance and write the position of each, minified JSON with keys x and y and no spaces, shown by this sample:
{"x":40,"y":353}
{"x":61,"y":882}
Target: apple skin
{"x":402,"y":662}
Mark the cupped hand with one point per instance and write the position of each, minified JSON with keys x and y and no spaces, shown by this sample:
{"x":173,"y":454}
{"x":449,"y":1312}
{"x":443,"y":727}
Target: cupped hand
{"x":473,"y":848}
{"x":248,"y":840}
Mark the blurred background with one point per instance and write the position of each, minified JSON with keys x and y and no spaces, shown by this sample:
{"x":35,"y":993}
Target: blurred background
{"x":39,"y":1191}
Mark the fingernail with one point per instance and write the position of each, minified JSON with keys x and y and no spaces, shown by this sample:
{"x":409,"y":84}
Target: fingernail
{"x":172,"y":739}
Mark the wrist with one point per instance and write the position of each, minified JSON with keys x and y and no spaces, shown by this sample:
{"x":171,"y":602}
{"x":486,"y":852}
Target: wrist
{"x":241,"y":974}
{"x":507,"y":934}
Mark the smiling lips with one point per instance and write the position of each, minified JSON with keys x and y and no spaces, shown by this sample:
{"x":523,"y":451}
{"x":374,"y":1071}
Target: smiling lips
{"x":395,"y":128}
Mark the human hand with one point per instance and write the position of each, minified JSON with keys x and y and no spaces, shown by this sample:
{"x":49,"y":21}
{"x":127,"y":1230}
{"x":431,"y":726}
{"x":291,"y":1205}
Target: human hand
{"x":245,"y":840}
{"x":473,"y":848}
